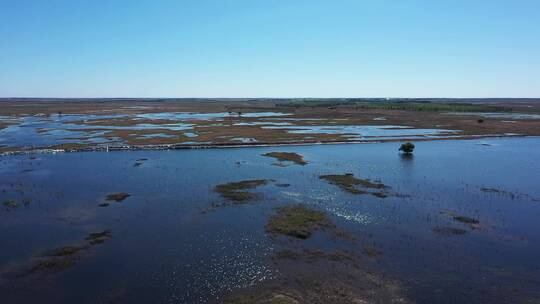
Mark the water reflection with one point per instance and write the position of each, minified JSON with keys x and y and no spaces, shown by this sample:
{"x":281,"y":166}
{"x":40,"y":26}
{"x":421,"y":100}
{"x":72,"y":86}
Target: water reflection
{"x":170,"y":245}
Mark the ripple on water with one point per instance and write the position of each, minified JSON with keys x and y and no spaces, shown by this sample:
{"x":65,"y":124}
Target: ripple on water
{"x":332,"y":205}
{"x":233,"y":263}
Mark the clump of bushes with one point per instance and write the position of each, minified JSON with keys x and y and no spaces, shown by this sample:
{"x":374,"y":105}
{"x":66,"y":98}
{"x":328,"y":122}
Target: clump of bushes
{"x":407,"y":148}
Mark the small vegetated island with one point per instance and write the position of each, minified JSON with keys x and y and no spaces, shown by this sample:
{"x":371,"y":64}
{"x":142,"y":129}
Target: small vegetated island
{"x":407,"y":148}
{"x":348,"y":182}
{"x":287,"y":157}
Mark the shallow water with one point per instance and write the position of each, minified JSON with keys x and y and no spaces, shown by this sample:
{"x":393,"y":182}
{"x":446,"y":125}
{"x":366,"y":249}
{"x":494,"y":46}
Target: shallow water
{"x":43,"y":131}
{"x":367,"y":131}
{"x":168,"y":247}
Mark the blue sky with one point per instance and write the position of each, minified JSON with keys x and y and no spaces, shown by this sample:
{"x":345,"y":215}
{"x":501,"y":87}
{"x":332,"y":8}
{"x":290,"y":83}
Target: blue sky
{"x":269,"y":48}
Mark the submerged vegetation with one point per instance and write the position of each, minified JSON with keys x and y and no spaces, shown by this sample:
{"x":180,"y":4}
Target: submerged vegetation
{"x":11,"y":204}
{"x":449,"y":231}
{"x":349,"y":183}
{"x":139,"y":162}
{"x":313,"y":255}
{"x":117,"y":197}
{"x":50,"y":265}
{"x":471,"y":222}
{"x":236,"y":191}
{"x":262,"y":298}
{"x":65,"y":251}
{"x":371,"y":252}
{"x":98,"y":237}
{"x":287,"y":156}
{"x":62,"y":258}
{"x":297,"y":221}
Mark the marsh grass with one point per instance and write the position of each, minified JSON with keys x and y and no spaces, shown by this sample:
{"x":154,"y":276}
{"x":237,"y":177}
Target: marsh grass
{"x":62,"y":258}
{"x":349,"y":183}
{"x":471,"y":222}
{"x":236,"y":191}
{"x":297,"y":221}
{"x":449,"y":231}
{"x":65,"y":251}
{"x":117,"y":197}
{"x":287,"y":156}
{"x":371,"y":252}
{"x":98,"y":237}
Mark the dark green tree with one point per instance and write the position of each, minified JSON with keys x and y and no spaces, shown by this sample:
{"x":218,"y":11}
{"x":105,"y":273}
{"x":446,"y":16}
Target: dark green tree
{"x":407,"y":148}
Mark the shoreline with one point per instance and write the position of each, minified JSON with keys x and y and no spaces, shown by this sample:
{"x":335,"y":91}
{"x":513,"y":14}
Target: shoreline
{"x":248,"y":145}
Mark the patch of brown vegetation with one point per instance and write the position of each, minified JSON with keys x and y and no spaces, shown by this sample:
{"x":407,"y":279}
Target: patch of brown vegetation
{"x":371,"y":252}
{"x":349,"y":183}
{"x":223,"y":135}
{"x":236,"y":191}
{"x":124,"y":122}
{"x":287,"y":156}
{"x":117,"y":197}
{"x":65,"y":251}
{"x":144,"y":137}
{"x":449,"y":231}
{"x":314,"y":283}
{"x":62,"y":258}
{"x":72,"y":146}
{"x":316,"y":255}
{"x":98,"y":237}
{"x":471,"y":222}
{"x":50,"y":265}
{"x":297,"y":221}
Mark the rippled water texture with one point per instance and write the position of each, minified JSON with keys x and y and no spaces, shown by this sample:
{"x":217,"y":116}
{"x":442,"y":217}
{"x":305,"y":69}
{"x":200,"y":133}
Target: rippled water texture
{"x":169,"y":243}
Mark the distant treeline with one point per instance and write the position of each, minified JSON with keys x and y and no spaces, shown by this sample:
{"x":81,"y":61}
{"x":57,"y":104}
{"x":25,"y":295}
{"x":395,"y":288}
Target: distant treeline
{"x":396,"y":104}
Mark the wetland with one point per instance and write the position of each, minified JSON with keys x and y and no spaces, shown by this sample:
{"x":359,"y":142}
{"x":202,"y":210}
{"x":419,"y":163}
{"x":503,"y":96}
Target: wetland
{"x":266,"y":221}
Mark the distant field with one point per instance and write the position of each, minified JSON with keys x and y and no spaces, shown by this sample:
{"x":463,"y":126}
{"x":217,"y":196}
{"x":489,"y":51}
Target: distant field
{"x":406,"y":105}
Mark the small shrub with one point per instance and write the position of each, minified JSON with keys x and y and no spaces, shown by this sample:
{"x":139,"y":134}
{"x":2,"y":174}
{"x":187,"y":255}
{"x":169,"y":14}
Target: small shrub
{"x":407,"y":148}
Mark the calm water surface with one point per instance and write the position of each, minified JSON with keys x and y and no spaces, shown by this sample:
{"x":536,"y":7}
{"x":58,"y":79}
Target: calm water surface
{"x":167,"y":246}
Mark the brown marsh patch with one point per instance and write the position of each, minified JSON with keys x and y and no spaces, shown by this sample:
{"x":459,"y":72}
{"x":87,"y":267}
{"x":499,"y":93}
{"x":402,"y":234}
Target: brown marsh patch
{"x":371,"y":252}
{"x":315,"y":255}
{"x":62,"y":258}
{"x":98,"y":237}
{"x":297,"y":221}
{"x":236,"y":191}
{"x":117,"y":197}
{"x":447,"y":231}
{"x":322,"y":286}
{"x":50,"y":265}
{"x":351,"y":184}
{"x":287,"y":156}
{"x":471,"y":222}
{"x":65,"y":251}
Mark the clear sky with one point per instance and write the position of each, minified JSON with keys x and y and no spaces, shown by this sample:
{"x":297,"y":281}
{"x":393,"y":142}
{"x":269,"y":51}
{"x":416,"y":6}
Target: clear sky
{"x":266,"y":48}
